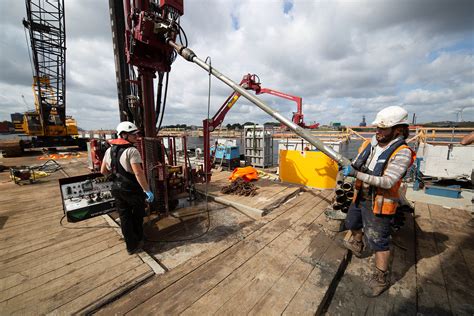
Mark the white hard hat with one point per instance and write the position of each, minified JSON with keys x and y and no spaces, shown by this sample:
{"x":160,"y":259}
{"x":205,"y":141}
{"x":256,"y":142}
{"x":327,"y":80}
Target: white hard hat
{"x":126,"y":126}
{"x":391,"y":116}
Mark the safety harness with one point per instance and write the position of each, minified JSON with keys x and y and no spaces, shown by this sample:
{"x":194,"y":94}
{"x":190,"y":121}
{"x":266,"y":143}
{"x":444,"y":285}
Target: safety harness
{"x":123,"y":180}
{"x":385,"y":201}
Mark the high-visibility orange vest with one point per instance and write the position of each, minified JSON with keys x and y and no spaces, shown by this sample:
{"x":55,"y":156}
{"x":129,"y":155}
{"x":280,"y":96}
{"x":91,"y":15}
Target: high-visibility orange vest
{"x":385,"y":201}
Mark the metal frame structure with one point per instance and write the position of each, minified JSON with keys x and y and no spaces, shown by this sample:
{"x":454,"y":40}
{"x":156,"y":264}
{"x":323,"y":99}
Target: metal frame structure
{"x":46,"y":25}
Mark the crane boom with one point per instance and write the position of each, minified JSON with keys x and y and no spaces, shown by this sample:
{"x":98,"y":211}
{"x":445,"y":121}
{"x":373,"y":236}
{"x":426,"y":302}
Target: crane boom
{"x":46,"y":25}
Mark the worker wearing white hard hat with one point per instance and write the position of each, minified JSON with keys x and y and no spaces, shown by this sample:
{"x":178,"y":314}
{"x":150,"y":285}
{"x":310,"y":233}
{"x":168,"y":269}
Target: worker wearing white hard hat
{"x":130,"y":186}
{"x":378,"y":168}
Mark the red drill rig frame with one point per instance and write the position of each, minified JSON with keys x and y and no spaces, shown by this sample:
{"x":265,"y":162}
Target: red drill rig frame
{"x":140,"y":31}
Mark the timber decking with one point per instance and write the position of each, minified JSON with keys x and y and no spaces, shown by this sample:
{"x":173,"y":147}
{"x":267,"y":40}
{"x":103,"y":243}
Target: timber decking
{"x":286,"y":262}
{"x":47,"y":268}
{"x":270,"y":195}
{"x":432,"y":269}
{"x":286,"y":265}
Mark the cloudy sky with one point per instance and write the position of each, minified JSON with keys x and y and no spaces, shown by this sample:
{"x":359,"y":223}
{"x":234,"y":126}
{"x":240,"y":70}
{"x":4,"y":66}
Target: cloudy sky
{"x":344,"y":58}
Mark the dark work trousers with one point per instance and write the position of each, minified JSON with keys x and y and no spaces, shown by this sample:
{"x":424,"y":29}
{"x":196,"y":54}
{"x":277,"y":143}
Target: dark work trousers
{"x":377,"y":228}
{"x":131,"y":208}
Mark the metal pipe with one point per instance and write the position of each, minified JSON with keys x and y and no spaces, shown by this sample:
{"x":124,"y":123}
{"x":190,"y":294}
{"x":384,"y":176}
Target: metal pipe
{"x":347,"y":186}
{"x":350,"y":194}
{"x":341,"y":199}
{"x":189,"y":55}
{"x":339,"y":178}
{"x":340,"y":192}
{"x":337,"y":206}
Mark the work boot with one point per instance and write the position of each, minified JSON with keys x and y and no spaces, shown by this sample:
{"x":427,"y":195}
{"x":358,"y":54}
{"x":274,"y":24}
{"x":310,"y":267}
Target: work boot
{"x":137,"y":249}
{"x":378,"y":283}
{"x":355,"y":246}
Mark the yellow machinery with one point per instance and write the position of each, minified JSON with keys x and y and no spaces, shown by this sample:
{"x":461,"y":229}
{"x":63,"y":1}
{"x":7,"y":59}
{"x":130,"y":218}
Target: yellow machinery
{"x":48,"y":124}
{"x":32,"y":124}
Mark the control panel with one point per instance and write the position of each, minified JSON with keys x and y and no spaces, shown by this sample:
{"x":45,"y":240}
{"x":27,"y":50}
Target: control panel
{"x":86,"y":196}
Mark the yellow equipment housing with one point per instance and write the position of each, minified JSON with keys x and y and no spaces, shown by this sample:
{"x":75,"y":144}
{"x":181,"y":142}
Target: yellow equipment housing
{"x":32,"y":124}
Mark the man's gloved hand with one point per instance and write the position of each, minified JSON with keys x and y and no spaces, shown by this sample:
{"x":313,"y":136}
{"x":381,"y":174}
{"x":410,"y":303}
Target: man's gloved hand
{"x":349,"y":171}
{"x":149,"y":196}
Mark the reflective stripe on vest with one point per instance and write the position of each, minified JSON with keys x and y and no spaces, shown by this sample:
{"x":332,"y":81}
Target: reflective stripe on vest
{"x":386,"y":200}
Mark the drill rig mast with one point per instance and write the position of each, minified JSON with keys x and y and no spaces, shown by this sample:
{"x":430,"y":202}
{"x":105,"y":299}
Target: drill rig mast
{"x":140,"y":29}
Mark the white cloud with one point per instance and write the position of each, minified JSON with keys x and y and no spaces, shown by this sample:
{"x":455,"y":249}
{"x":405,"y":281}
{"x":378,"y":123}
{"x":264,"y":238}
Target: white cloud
{"x":345,"y":59}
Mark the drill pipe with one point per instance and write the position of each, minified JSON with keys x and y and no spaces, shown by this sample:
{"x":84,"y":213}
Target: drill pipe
{"x":190,"y":56}
{"x":346,"y":186}
{"x":350,"y":194}
{"x":341,"y":199}
{"x":337,"y":206}
{"x":340,"y":192}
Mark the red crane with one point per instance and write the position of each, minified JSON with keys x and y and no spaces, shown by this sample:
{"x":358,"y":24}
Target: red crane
{"x":298,"y":116}
{"x":248,"y":82}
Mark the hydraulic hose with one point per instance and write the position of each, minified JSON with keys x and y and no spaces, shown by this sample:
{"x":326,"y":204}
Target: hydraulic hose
{"x":189,"y":55}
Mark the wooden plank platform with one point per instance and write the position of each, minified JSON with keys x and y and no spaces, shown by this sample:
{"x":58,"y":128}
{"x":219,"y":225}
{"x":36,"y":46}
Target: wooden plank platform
{"x":270,"y":195}
{"x":46,"y":267}
{"x":286,"y":265}
{"x":432,"y":269}
{"x":286,"y":262}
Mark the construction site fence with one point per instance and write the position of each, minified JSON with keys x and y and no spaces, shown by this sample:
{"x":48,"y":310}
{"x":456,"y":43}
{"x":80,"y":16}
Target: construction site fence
{"x":420,"y":134}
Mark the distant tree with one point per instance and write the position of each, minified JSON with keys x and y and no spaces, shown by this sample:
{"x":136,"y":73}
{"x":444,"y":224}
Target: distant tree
{"x":236,"y":126}
{"x":249,"y":123}
{"x":271,"y":124}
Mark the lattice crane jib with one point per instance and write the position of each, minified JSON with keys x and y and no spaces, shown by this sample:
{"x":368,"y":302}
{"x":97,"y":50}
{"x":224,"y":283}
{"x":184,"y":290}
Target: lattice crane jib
{"x":46,"y":24}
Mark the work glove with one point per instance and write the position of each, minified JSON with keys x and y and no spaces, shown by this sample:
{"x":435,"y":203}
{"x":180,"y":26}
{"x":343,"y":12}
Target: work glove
{"x":149,"y":196}
{"x":349,"y":171}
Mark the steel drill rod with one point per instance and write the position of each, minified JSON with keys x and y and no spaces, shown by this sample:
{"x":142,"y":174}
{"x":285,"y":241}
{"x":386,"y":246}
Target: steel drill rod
{"x":189,"y":55}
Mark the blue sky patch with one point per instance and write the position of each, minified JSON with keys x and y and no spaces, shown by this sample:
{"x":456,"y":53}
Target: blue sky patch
{"x":466,"y":45}
{"x":235,"y":21}
{"x":287,"y":6}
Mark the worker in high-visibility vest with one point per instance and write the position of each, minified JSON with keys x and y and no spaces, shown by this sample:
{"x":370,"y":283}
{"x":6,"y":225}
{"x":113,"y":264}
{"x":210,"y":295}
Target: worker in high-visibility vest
{"x":379,"y":168}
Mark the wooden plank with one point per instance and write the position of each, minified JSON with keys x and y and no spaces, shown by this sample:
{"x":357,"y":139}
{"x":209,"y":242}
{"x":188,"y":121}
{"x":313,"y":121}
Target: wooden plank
{"x":94,"y":299}
{"x":139,"y":295}
{"x":271,"y":194}
{"x":55,"y":250}
{"x":455,"y":269}
{"x":97,"y":283}
{"x":26,"y":271}
{"x":21,"y":249}
{"x":309,"y":299}
{"x":205,"y":278}
{"x":33,"y":282}
{"x":20,"y":227}
{"x":52,"y":290}
{"x":144,"y":293}
{"x":431,"y":291}
{"x":244,"y":283}
{"x":278,"y":297}
{"x":29,"y":236}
